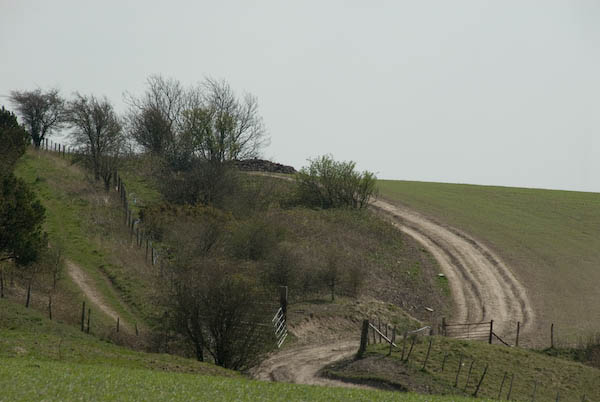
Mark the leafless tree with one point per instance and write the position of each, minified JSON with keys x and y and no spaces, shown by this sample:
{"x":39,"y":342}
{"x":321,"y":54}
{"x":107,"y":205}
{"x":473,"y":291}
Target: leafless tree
{"x":41,"y":111}
{"x":221,"y":126}
{"x":97,"y":132}
{"x":154,"y":117}
{"x":208,"y":122}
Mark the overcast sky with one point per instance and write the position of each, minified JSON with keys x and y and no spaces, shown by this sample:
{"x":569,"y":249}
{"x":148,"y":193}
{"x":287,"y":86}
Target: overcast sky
{"x":502,"y":92}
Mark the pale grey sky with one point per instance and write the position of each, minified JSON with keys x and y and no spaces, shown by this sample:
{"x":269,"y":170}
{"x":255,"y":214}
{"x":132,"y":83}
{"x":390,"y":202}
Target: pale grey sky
{"x":486,"y":92}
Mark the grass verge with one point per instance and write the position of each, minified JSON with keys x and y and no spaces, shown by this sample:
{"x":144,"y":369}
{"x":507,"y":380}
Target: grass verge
{"x":549,"y":376}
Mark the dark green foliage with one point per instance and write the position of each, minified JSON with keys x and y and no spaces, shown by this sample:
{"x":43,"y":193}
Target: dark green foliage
{"x":13,"y":140}
{"x":326,"y":183}
{"x":207,"y":183}
{"x":21,"y":219}
{"x":21,"y":214}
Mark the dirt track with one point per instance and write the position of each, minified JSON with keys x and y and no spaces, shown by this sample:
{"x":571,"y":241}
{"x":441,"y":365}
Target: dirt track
{"x":482,"y":285}
{"x":301,"y":364}
{"x":82,"y":280}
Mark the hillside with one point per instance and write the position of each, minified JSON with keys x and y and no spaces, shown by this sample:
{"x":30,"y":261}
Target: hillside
{"x":42,"y":359}
{"x":550,"y":239}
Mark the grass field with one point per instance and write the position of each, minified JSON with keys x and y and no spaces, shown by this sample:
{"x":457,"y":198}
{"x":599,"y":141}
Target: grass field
{"x":531,"y":369}
{"x":24,"y":380}
{"x":45,"y":360}
{"x":551,"y":239}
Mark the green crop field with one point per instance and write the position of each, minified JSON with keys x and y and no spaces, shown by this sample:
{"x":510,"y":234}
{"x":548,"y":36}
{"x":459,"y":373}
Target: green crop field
{"x":551,"y":240}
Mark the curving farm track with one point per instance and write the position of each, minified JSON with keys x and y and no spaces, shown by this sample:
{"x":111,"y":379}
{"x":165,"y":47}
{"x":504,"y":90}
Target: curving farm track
{"x":483,"y":287}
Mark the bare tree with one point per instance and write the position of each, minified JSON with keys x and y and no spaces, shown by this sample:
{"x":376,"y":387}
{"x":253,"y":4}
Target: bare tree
{"x":41,"y":111}
{"x":154,"y":117}
{"x":207,"y":122}
{"x":221,"y":126}
{"x":97,"y":131}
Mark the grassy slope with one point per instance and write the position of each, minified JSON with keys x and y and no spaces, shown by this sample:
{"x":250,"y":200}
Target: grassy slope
{"x":550,"y":238}
{"x":23,"y":380}
{"x":88,"y":224}
{"x":572,"y":380}
{"x":74,"y":210}
{"x":32,"y":368}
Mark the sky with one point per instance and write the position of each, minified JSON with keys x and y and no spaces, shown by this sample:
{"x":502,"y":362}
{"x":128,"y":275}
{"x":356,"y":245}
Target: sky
{"x":482,"y":92}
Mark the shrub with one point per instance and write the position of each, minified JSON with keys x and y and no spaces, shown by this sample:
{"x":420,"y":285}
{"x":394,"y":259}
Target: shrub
{"x":326,"y":183}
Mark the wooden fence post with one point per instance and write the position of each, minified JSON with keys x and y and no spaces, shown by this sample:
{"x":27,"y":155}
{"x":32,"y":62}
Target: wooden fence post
{"x":82,"y":315}
{"x":404,"y":345}
{"x":50,"y":307}
{"x":481,"y":380}
{"x":88,"y":320}
{"x":117,"y":324}
{"x":373,"y":332}
{"x":458,"y":371}
{"x":283,"y":300}
{"x":444,"y":326}
{"x":518,"y":330}
{"x":379,"y":327}
{"x":491,"y":331}
{"x":412,"y":345}
{"x":364,"y":335}
{"x":427,"y":356}
{"x":502,"y":385}
{"x":136,"y":330}
{"x":444,"y":361}
{"x":512,"y":377}
{"x":469,"y":375}
{"x":393,"y":340}
{"x":552,"y":336}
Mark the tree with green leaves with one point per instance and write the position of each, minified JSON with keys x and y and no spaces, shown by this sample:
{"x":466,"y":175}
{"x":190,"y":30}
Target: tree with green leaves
{"x":21,"y":214}
{"x":41,"y":111}
{"x":326,"y":183}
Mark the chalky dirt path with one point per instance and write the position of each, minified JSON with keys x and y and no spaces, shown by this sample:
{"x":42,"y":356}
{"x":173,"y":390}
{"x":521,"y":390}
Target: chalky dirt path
{"x":483,"y":287}
{"x":91,"y":293}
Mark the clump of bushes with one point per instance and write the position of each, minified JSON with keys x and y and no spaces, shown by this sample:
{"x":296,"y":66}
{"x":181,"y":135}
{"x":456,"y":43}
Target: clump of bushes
{"x":327,"y":183}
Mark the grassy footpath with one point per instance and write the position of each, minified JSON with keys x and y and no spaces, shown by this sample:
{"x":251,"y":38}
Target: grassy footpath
{"x":550,"y":238}
{"x":82,"y":220}
{"x":552,"y":375}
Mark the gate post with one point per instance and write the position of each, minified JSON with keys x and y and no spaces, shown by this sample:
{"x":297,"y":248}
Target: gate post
{"x":364,"y":335}
{"x":283,"y":300}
